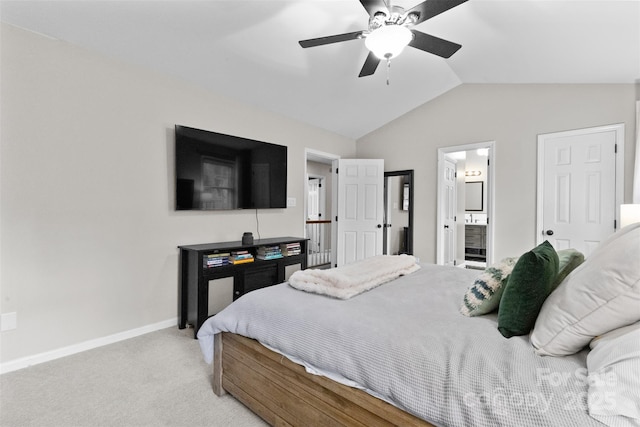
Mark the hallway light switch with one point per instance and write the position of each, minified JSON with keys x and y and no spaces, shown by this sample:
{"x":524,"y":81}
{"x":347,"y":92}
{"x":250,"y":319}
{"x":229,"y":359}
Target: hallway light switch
{"x":291,"y":202}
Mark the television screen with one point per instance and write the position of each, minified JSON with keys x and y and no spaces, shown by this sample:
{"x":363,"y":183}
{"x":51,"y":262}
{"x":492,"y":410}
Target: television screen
{"x":222,"y":172}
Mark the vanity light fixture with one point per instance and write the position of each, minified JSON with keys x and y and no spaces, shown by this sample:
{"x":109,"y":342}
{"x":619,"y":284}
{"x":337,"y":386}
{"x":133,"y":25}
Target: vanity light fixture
{"x":472,"y":173}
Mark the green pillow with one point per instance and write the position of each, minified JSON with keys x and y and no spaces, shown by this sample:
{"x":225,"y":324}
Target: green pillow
{"x":568,"y":259}
{"x":529,"y":284}
{"x":484,"y":294}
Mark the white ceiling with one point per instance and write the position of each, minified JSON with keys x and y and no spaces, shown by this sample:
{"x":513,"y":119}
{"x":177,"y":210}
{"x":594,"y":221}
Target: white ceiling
{"x":249,"y":50}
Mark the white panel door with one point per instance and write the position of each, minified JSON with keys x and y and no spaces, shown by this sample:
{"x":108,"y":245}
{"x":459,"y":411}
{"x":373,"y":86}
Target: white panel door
{"x":313,"y":199}
{"x":578,"y":187}
{"x":360,"y":209}
{"x":448,"y":213}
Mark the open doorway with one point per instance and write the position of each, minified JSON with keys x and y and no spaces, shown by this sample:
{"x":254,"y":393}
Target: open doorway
{"x":353,"y":192}
{"x":318,"y":208}
{"x":465,"y":205}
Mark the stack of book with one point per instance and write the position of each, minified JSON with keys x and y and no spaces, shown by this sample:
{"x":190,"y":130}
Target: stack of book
{"x":290,"y":249}
{"x":241,"y":257}
{"x":216,"y":260}
{"x":269,"y":252}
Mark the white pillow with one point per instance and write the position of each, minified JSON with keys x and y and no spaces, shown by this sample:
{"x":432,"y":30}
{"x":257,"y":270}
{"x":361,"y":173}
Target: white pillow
{"x":614,"y":377}
{"x":629,"y":228}
{"x":602,"y":294}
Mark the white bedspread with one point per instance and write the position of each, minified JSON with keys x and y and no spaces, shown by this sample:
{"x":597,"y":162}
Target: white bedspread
{"x":407,"y":342}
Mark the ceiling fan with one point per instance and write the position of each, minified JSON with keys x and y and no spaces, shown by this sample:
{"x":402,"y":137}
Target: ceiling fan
{"x":389,"y":32}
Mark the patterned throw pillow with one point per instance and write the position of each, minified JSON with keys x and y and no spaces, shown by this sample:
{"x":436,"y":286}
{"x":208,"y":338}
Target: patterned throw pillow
{"x":484,"y":294}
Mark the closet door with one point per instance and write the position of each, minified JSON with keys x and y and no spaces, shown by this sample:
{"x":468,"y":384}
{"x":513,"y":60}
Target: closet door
{"x":577,"y":187}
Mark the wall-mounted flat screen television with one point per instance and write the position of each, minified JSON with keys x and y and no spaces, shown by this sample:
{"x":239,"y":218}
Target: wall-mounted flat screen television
{"x":215,"y":171}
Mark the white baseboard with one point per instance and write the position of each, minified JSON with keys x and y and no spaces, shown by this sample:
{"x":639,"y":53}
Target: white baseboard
{"x":24,"y":362}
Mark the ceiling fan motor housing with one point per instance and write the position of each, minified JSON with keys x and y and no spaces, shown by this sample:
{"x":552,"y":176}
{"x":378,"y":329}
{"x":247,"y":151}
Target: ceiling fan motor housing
{"x":396,"y":16}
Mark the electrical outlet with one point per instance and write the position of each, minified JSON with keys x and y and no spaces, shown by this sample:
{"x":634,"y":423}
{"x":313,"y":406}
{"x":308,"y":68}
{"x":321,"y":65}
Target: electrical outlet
{"x":291,"y":202}
{"x":8,"y":321}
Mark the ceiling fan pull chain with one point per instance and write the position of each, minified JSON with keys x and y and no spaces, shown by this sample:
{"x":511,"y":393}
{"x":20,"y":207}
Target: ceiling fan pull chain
{"x":388,"y":69}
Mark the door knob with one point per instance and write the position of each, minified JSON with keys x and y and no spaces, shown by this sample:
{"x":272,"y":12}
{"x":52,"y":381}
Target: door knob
{"x":549,"y":232}
{"x":446,"y":226}
{"x":379,"y":226}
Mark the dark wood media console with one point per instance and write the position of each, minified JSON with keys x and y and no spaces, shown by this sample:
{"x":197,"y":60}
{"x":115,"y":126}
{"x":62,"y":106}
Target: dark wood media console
{"x":194,"y":276}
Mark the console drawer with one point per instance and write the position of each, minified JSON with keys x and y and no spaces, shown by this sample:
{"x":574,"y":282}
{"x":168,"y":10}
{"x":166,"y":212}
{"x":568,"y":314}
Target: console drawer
{"x":260,"y":277}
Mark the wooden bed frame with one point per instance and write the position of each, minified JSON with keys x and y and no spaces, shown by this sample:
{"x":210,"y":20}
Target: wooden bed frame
{"x":284,"y":394}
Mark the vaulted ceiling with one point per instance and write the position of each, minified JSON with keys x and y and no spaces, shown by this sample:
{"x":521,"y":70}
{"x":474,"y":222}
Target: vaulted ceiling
{"x":249,"y":50}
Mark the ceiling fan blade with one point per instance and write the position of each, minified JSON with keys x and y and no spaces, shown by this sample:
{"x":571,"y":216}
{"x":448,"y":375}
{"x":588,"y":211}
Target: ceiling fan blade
{"x":430,"y":8}
{"x":330,"y":39}
{"x":373,"y":6}
{"x":432,"y":44}
{"x":370,"y":65}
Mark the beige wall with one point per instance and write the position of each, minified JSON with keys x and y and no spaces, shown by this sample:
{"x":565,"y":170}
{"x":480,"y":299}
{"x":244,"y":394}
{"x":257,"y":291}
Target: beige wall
{"x":512,"y":116}
{"x":89,"y":233}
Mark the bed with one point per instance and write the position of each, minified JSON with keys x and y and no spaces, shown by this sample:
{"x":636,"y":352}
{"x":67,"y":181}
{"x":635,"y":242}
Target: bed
{"x":403,"y":354}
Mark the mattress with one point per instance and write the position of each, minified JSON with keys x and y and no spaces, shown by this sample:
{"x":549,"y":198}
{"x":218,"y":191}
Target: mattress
{"x":407,"y":343}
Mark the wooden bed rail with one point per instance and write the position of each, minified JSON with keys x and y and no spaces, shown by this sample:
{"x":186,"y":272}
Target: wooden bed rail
{"x":284,"y":394}
{"x":217,"y":366}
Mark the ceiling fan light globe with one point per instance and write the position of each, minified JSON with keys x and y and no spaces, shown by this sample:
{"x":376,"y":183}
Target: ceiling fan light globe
{"x":388,"y":41}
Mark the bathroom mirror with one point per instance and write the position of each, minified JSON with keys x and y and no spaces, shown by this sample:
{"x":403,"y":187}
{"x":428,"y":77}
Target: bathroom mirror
{"x":474,"y":194}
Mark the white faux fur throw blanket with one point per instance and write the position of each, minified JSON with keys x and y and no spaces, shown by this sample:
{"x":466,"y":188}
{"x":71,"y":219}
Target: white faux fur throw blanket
{"x":352,"y":279}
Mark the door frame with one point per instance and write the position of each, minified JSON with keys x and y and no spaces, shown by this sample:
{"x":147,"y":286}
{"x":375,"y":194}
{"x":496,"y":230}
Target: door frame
{"x":618,"y":128}
{"x":490,"y":188}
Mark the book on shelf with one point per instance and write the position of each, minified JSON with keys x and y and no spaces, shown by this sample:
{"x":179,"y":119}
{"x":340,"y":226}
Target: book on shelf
{"x":290,"y":249}
{"x":269,"y":256}
{"x":216,"y":260}
{"x":269,"y":252}
{"x":242,"y":261}
{"x":241,"y":257}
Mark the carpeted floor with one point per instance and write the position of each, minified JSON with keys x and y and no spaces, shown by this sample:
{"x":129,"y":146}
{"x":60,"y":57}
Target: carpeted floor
{"x":158,"y":379}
